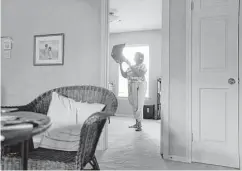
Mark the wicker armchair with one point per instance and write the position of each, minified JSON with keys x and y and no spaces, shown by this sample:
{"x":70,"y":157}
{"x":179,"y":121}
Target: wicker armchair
{"x":90,"y":133}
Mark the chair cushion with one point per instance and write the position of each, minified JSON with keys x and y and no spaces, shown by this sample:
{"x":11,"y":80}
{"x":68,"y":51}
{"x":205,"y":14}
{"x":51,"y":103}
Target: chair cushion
{"x":67,"y":117}
{"x":65,"y":138}
{"x":62,"y":112}
{"x":37,"y":140}
{"x":84,"y":110}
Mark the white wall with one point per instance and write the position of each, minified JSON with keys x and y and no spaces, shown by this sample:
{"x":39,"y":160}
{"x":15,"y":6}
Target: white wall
{"x":151,"y":38}
{"x":79,"y":20}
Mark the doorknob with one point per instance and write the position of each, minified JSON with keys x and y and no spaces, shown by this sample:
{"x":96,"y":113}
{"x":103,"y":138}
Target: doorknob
{"x":231,"y":81}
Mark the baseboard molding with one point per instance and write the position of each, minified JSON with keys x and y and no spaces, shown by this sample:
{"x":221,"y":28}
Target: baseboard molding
{"x":176,"y":158}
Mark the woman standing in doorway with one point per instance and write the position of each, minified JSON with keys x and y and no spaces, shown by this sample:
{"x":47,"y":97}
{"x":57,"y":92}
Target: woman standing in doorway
{"x":136,"y":87}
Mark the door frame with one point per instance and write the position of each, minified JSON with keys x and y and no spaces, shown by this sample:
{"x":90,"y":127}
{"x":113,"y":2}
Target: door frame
{"x":104,"y":62}
{"x":165,"y":72}
{"x":104,"y":43}
{"x":189,"y":79}
{"x":189,"y":83}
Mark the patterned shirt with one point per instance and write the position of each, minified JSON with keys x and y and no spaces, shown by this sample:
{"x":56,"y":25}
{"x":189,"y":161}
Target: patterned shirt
{"x":133,"y":76}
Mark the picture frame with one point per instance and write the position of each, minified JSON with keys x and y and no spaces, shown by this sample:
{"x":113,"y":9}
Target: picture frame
{"x":7,"y":44}
{"x":49,"y":49}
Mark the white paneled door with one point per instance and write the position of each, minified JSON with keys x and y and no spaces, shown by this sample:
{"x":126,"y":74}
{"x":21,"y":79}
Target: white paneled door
{"x":215,"y":82}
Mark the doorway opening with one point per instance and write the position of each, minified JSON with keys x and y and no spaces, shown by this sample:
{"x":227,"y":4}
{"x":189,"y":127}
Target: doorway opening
{"x":138,"y":24}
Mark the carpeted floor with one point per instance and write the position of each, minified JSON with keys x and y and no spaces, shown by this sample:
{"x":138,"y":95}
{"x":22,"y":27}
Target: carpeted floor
{"x":131,"y":150}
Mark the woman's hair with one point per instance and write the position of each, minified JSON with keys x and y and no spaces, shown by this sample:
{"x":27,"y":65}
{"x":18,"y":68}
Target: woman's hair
{"x":140,"y":57}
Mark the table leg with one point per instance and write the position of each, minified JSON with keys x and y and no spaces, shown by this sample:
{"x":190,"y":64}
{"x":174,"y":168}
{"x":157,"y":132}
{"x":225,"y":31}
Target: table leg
{"x":24,"y":154}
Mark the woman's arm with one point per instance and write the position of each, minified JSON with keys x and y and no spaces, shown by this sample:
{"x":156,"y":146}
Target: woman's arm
{"x":139,"y":71}
{"x":124,"y":74}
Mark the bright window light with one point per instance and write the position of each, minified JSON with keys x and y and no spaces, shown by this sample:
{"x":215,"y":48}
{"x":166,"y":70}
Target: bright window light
{"x":129,"y":52}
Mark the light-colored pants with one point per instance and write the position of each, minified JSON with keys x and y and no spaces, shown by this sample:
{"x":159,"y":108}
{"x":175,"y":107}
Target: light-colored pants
{"x":137,"y":91}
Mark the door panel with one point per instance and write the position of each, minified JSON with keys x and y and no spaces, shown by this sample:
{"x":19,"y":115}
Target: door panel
{"x":213,"y":58}
{"x":205,"y":4}
{"x":214,"y":100}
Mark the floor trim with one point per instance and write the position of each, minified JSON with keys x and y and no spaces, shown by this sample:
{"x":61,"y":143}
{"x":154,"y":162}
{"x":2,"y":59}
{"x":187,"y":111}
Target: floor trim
{"x":178,"y":159}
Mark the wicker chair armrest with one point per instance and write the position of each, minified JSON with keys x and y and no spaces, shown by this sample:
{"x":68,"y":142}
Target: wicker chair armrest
{"x":90,"y":133}
{"x":105,"y":114}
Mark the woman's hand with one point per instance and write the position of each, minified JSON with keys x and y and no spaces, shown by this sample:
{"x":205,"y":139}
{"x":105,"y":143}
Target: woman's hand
{"x":127,"y":61}
{"x":124,"y":74}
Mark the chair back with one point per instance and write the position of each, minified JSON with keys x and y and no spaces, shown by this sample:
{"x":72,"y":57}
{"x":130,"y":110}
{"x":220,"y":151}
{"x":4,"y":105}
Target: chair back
{"x":84,"y":93}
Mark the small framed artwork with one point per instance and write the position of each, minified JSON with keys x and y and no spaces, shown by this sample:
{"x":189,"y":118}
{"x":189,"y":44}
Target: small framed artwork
{"x":49,"y":49}
{"x":7,"y":44}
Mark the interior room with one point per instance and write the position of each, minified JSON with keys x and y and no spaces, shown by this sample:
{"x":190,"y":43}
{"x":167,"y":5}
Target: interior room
{"x":65,"y":102}
{"x":140,"y":29}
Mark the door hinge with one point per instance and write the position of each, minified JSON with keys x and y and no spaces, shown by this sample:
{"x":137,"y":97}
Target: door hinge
{"x":192,"y":137}
{"x":192,"y":5}
{"x":238,"y":81}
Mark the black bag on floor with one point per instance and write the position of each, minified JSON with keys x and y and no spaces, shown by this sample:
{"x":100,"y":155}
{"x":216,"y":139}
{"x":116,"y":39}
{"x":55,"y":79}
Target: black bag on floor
{"x":149,"y":112}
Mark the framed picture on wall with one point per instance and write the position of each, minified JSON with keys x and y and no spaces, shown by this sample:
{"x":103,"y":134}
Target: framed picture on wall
{"x":49,"y":49}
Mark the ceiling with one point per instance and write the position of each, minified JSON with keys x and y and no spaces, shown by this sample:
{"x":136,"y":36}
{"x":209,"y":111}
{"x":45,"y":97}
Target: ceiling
{"x":136,"y":15}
